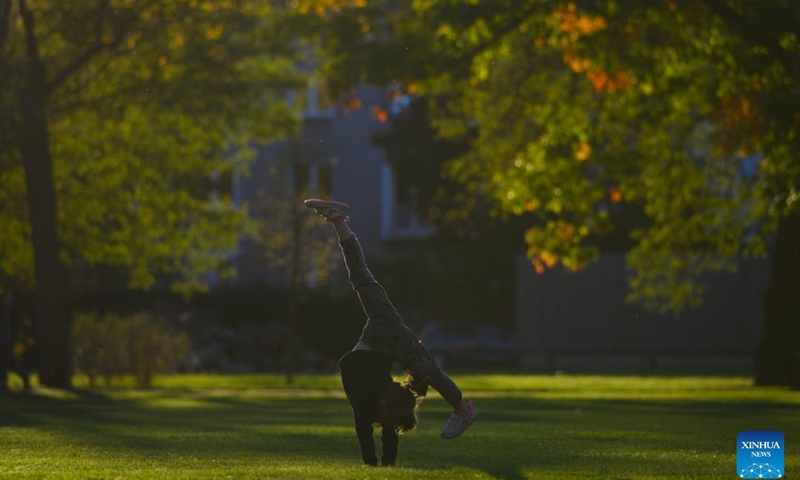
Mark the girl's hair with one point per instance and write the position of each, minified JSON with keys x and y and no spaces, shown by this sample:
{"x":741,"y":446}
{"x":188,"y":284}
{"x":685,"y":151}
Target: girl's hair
{"x":399,"y":408}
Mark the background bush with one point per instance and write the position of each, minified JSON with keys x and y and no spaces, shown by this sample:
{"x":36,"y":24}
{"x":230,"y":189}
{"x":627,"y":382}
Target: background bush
{"x":112,"y":345}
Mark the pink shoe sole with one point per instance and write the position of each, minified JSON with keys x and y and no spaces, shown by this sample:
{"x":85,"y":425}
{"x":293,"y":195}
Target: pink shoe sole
{"x":329,"y":209}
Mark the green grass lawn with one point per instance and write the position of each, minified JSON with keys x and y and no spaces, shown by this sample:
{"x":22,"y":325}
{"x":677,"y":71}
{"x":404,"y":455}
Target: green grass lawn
{"x":252,"y":426}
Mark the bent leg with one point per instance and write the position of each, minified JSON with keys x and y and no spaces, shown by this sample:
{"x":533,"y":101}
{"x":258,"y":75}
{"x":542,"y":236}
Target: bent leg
{"x":447,"y":388}
{"x":464,"y":413}
{"x":423,"y":370}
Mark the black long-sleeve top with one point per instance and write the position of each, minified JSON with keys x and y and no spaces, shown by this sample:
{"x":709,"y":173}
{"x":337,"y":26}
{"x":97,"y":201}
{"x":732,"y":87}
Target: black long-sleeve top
{"x":365,"y":376}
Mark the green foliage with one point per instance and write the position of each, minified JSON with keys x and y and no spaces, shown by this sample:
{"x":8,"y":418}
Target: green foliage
{"x":417,"y":156}
{"x":147,"y":101}
{"x":582,"y":106}
{"x":534,"y":427}
{"x":295,"y":241}
{"x":16,"y":259}
{"x":112,"y":346}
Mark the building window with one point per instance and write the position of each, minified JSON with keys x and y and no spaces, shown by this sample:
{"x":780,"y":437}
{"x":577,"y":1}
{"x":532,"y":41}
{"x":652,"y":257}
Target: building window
{"x":301,"y":178}
{"x":399,"y":217}
{"x":220,"y":187}
{"x":324,"y":184}
{"x":313,"y":179}
{"x":312,"y":101}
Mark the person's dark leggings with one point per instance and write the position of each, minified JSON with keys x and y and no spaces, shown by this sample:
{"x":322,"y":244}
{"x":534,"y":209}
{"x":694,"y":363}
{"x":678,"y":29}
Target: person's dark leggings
{"x":386,"y":332}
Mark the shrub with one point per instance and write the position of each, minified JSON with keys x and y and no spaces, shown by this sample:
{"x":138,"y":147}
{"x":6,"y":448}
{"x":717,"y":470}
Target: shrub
{"x":137,"y":345}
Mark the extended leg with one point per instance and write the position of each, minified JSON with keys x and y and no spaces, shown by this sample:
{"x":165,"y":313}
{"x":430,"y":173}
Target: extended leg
{"x":373,"y":297}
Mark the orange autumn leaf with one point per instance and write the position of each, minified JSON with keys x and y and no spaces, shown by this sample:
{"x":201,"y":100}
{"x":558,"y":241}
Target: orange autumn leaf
{"x":615,"y":194}
{"x":567,"y":231}
{"x":323,"y":8}
{"x":351,"y":103}
{"x":741,"y":125}
{"x":549,"y":259}
{"x":538,"y":265}
{"x":575,"y":63}
{"x":603,"y":81}
{"x":379,"y":113}
{"x":587,"y":25}
{"x":583,"y":151}
{"x":622,"y":80}
{"x":598,"y":78}
{"x":214,"y":33}
{"x":576,"y":24}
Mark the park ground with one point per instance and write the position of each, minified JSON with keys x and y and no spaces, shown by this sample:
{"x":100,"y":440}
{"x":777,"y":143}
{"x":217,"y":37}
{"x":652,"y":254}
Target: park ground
{"x":530,"y":427}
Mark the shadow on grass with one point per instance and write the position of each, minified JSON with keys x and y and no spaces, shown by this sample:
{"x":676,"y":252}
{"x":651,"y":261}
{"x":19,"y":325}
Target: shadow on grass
{"x":605,"y":437}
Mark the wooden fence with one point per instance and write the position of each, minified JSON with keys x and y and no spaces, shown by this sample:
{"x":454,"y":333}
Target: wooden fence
{"x":581,"y":321}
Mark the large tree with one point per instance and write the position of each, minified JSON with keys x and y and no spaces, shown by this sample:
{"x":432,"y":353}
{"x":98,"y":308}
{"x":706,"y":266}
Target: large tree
{"x":686,"y":108}
{"x":114,"y":116}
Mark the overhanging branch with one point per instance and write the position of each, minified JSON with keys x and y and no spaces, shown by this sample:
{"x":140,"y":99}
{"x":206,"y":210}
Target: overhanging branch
{"x":75,"y":65}
{"x":5,"y":21}
{"x":497,"y":36}
{"x":98,"y":46}
{"x":754,"y":31}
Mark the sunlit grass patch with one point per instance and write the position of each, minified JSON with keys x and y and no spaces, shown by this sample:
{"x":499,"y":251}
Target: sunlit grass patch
{"x":254,"y":426}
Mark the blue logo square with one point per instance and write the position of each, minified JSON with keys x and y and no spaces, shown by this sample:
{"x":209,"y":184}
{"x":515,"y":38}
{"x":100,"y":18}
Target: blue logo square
{"x":759,"y":454}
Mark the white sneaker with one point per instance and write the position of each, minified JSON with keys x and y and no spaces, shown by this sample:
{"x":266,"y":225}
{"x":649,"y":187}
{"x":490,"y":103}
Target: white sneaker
{"x":460,"y":421}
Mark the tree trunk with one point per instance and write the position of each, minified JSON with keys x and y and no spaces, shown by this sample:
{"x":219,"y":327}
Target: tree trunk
{"x":50,"y":300}
{"x":778,"y":355}
{"x":292,"y":348}
{"x":5,"y":340}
